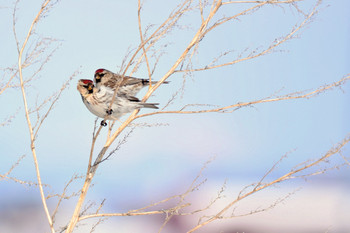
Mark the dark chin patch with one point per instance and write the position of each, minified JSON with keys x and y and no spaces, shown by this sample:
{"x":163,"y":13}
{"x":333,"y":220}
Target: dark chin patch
{"x":90,"y":91}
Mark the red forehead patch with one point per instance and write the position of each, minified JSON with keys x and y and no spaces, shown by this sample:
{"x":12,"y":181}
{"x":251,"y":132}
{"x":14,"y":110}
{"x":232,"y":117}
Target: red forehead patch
{"x":86,"y":81}
{"x":99,"y":71}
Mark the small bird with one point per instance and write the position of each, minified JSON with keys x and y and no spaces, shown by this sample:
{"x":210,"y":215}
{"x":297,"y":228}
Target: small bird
{"x":98,"y":101}
{"x":130,"y":86}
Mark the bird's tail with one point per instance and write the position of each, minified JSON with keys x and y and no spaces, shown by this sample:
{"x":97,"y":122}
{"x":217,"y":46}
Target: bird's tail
{"x":149,"y":105}
{"x":146,"y":82}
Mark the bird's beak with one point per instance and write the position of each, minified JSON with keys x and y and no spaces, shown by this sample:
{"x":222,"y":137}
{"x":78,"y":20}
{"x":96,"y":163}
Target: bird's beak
{"x":98,"y":78}
{"x":90,"y":89}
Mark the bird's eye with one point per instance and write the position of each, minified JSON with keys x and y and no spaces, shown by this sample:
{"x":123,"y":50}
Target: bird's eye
{"x":99,"y":76}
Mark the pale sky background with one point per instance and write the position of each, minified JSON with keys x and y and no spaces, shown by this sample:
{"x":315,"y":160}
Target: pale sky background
{"x":157,"y":162}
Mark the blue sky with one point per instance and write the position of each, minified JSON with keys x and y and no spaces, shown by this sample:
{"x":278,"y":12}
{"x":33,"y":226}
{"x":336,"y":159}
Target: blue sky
{"x":160,"y":161}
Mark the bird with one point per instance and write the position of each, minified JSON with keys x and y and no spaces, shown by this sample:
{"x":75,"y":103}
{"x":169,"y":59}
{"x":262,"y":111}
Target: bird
{"x":98,"y":100}
{"x":130,"y":86}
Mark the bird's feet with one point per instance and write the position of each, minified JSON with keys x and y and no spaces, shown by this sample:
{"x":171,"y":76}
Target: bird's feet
{"x":109,"y":111}
{"x":103,"y":123}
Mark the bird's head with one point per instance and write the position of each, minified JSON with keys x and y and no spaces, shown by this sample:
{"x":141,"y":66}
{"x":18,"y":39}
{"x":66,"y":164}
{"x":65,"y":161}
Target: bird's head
{"x":85,"y":87}
{"x":99,"y":74}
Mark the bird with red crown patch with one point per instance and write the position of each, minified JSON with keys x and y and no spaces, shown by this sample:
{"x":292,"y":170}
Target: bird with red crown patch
{"x":129,"y":86}
{"x":98,"y":101}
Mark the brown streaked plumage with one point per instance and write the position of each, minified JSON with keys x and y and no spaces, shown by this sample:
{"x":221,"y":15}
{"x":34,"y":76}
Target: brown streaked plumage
{"x":130,"y":86}
{"x":98,"y":101}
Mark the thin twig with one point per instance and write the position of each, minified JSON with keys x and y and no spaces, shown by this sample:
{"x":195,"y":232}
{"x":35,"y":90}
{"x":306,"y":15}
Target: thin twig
{"x":234,"y":107}
{"x":287,"y":176}
{"x":32,"y":137}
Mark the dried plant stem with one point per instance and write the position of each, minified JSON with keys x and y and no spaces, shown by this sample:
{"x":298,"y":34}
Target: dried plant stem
{"x":139,"y":56}
{"x":142,"y":42}
{"x":234,"y":107}
{"x":130,"y":213}
{"x":32,"y":136}
{"x":272,"y":46}
{"x":287,"y":176}
{"x":90,"y":174}
{"x":215,"y":7}
{"x":201,"y":32}
{"x":268,"y":1}
{"x":141,"y":46}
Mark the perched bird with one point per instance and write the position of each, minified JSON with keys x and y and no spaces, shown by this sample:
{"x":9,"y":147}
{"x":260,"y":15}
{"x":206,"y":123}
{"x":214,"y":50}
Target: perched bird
{"x":130,"y":86}
{"x":95,"y":103}
{"x":98,"y":101}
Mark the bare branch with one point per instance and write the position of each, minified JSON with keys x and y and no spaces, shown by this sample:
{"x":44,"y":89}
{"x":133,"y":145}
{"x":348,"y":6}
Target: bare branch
{"x":44,"y":8}
{"x":345,"y":159}
{"x":64,"y":196}
{"x":263,"y":209}
{"x":254,"y":54}
{"x":269,"y":171}
{"x":120,"y":143}
{"x":234,"y":107}
{"x":290,"y":175}
{"x":23,"y":182}
{"x":142,"y":42}
{"x":168,"y":212}
{"x":9,"y":119}
{"x":55,"y":98}
{"x":267,"y":1}
{"x":101,"y":220}
{"x":143,"y":55}
{"x":7,"y":176}
{"x":173,"y":211}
